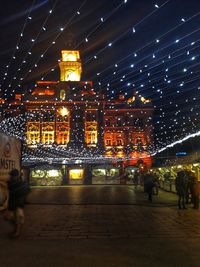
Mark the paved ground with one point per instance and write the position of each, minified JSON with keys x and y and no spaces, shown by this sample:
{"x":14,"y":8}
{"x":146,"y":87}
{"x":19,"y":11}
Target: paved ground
{"x":103,"y":226}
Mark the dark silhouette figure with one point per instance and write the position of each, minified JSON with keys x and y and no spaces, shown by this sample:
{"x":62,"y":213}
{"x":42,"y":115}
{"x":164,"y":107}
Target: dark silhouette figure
{"x":189,"y":188}
{"x":195,"y":190}
{"x":181,"y":183}
{"x":156,"y":183}
{"x":148,"y":185}
{"x":136,"y":179}
{"x":18,"y":191}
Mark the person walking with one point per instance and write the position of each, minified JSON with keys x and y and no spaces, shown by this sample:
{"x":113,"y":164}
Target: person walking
{"x":181,"y":183}
{"x":18,"y":191}
{"x":148,"y":185}
{"x":156,"y":183}
{"x":195,"y":190}
{"x":189,"y":187}
{"x":136,"y":179}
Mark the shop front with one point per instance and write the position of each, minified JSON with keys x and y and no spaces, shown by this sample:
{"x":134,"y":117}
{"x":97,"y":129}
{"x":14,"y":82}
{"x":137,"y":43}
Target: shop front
{"x":105,"y":174}
{"x":76,"y":175}
{"x":129,"y":173}
{"x":79,"y":174}
{"x":45,"y":176}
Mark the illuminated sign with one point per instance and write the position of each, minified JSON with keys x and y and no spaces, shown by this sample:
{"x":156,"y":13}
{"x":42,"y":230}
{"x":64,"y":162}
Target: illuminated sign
{"x":10,"y":155}
{"x":181,"y":153}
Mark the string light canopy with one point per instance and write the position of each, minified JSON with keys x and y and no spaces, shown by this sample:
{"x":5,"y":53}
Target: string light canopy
{"x":150,"y":52}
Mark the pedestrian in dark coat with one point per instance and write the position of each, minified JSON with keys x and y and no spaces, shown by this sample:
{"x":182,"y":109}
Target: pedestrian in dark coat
{"x":18,"y":191}
{"x":195,"y":191}
{"x":136,"y":179}
{"x":181,"y":183}
{"x":148,"y":185}
{"x":189,"y":186}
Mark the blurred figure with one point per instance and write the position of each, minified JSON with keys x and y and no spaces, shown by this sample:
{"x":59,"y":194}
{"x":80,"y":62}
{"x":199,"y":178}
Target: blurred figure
{"x":181,"y":183}
{"x":156,"y":183}
{"x":189,"y":189}
{"x":136,"y":179}
{"x":18,"y":191}
{"x":195,"y":191}
{"x":167,"y":176}
{"x":148,"y":185}
{"x":3,"y":195}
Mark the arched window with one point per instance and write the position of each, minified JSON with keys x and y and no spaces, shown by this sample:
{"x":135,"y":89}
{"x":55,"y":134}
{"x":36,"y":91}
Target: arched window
{"x":33,"y":133}
{"x":48,"y":133}
{"x":91,"y":133}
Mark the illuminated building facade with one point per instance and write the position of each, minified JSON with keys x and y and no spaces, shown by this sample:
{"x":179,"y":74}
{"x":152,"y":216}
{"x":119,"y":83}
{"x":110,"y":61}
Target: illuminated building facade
{"x":69,"y":113}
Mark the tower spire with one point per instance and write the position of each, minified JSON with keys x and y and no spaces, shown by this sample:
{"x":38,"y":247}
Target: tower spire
{"x":70,"y":66}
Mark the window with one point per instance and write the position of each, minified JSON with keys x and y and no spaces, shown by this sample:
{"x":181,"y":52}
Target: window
{"x":62,"y":133}
{"x":108,"y":142}
{"x":119,"y":142}
{"x":48,"y":133}
{"x":33,"y":133}
{"x":91,"y":133}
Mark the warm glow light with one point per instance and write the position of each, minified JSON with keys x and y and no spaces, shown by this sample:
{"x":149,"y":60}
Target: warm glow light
{"x":76,"y":174}
{"x":70,"y":66}
{"x":131,"y":100}
{"x":63,"y":111}
{"x":71,"y":75}
{"x":70,"y":55}
{"x":145,"y":100}
{"x":195,"y":164}
{"x":120,"y":154}
{"x":53,"y":173}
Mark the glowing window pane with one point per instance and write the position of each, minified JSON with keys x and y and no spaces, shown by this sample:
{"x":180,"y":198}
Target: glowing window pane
{"x":76,"y":174}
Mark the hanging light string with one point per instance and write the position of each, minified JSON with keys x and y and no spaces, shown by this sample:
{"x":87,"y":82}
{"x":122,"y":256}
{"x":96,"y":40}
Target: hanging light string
{"x":158,"y":38}
{"x":69,"y":22}
{"x":42,"y":150}
{"x":155,"y":41}
{"x":177,"y":142}
{"x":185,"y":75}
{"x":103,"y":20}
{"x":13,"y":57}
{"x":143,"y":71}
{"x":159,"y":50}
{"x":35,"y":65}
{"x":33,"y":43}
{"x":124,"y":33}
{"x":52,"y":68}
{"x":145,"y":81}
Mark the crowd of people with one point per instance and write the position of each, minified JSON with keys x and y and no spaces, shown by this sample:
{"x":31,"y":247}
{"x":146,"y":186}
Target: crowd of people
{"x":186,"y":183}
{"x":188,"y":189}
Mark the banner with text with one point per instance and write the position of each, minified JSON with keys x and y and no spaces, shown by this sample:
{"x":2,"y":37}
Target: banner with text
{"x":10,"y":158}
{"x":10,"y":155}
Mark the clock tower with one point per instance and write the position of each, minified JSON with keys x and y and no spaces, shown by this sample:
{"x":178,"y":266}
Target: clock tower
{"x":70,"y":66}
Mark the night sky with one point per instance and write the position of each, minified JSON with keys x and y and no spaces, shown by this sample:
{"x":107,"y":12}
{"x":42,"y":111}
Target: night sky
{"x":149,"y":46}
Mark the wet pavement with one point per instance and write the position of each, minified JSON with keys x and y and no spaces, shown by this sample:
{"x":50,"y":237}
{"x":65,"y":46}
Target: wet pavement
{"x":104,"y":194}
{"x":103,"y":226}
